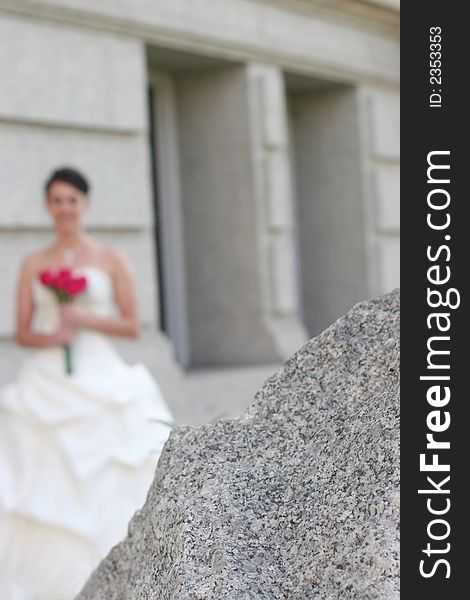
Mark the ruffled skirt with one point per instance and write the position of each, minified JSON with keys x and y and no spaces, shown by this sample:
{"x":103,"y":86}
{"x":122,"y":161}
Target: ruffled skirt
{"x":77,"y":456}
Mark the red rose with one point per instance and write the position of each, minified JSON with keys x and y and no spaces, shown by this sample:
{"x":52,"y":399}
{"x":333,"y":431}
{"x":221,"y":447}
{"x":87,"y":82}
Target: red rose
{"x":63,"y":284}
{"x":65,"y":287}
{"x":46,"y":278}
{"x":62,"y":280}
{"x":75,"y":286}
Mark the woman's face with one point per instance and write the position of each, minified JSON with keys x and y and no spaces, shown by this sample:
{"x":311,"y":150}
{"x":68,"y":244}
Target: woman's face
{"x":66,"y":205}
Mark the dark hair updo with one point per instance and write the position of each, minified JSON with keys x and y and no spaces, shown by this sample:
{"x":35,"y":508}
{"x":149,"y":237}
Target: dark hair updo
{"x":71,"y":176}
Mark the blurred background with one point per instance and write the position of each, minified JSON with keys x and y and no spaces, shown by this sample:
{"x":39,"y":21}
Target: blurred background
{"x":244,"y":153}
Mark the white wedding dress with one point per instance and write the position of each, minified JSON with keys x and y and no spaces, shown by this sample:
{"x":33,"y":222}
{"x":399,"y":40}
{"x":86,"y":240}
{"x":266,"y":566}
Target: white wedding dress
{"x":77,"y":454}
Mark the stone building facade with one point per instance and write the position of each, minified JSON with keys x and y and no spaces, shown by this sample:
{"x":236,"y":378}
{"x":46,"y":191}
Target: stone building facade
{"x":244,"y":153}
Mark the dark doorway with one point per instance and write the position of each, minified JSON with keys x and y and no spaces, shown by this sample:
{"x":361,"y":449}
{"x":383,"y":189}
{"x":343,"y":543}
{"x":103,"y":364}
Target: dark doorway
{"x":157,"y":221}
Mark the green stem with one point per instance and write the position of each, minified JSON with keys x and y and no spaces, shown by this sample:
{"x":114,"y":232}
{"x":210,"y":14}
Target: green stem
{"x":68,"y":359}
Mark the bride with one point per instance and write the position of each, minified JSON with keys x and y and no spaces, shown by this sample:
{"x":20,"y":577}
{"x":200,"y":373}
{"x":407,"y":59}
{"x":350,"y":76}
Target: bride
{"x":77,"y":450}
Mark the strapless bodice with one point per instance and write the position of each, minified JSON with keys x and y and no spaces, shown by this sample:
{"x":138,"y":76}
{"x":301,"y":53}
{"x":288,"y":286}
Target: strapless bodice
{"x":98,"y":297}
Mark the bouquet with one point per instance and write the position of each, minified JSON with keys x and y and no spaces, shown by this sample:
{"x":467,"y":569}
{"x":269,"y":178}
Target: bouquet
{"x":65,"y":287}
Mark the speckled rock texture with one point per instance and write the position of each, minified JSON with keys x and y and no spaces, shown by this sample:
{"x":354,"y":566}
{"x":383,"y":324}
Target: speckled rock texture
{"x":297,"y":499}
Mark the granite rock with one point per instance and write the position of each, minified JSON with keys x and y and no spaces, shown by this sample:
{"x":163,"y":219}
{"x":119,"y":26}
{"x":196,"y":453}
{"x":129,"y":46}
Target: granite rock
{"x":298,"y":499}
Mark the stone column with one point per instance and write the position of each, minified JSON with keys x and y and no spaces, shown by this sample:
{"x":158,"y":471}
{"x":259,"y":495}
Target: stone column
{"x":332,"y":216}
{"x":225,"y":302}
{"x":380,"y":109}
{"x":276,"y":228}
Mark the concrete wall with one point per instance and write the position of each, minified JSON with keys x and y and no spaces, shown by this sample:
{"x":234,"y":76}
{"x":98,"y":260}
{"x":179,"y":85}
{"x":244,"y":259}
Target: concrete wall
{"x":73,"y":97}
{"x":76,"y":76}
{"x":344,"y":38}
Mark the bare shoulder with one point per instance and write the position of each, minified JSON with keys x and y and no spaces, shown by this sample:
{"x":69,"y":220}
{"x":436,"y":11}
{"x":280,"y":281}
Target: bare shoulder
{"x":116,"y":259}
{"x":34,"y":262}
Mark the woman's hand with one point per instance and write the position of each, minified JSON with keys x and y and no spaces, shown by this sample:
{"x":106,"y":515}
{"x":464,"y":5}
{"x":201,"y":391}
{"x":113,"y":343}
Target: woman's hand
{"x":126,"y":323}
{"x":75,"y":316}
{"x":25,"y":335}
{"x":64,"y":334}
